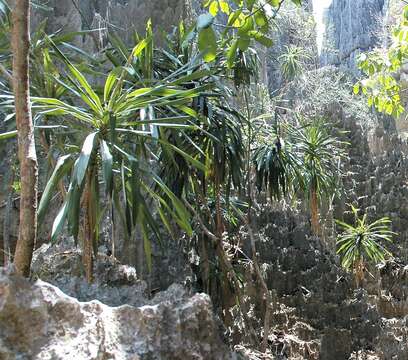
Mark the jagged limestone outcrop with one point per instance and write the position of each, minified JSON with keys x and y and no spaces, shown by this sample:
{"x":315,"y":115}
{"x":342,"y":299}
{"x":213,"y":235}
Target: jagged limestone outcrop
{"x":318,"y":314}
{"x":122,"y":16}
{"x":351,"y":28}
{"x":38,"y":322}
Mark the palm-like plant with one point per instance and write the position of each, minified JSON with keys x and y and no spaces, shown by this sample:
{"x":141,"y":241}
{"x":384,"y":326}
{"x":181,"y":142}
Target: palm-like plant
{"x":322,"y":154}
{"x":276,"y":164}
{"x":292,"y":60}
{"x":363,"y":243}
{"x":113,"y":127}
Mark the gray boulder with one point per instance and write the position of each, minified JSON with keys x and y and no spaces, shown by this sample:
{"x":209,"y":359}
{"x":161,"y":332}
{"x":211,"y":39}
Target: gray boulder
{"x":38,"y":321}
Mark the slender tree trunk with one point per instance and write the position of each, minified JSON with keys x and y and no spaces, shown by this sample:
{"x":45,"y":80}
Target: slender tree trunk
{"x":314,"y":211}
{"x":89,"y":228}
{"x":26,"y":142}
{"x":359,"y":269}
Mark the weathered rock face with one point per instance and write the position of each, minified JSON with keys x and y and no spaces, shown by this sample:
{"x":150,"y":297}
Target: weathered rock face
{"x":352,"y":26}
{"x":317,"y":312}
{"x":114,"y":285}
{"x":378,"y":176}
{"x":123,"y":16}
{"x":38,"y":321}
{"x":296,"y":28}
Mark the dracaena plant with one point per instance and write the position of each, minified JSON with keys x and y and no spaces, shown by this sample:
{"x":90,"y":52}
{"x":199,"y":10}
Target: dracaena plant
{"x":114,"y":126}
{"x":292,"y":61}
{"x":216,"y":137}
{"x":322,"y":156}
{"x":276,"y":163}
{"x":277,"y":158}
{"x":362,"y":243}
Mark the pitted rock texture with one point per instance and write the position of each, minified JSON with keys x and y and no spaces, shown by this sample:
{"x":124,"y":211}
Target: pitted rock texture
{"x":376,"y":177}
{"x":121,"y":16}
{"x":352,"y":27}
{"x":115,"y":284}
{"x":38,"y":321}
{"x":318,"y":313}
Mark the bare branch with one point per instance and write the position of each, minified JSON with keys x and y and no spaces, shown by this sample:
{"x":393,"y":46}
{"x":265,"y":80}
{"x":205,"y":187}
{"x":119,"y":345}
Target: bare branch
{"x":201,"y":222}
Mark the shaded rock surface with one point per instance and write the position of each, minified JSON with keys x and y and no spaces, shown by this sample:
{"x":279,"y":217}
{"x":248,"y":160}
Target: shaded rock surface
{"x":115,"y":284}
{"x":318,"y":314}
{"x":38,"y":321}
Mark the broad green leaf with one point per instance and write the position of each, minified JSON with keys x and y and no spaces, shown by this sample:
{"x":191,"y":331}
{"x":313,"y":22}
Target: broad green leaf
{"x":213,"y":9}
{"x":232,"y":54}
{"x":8,"y":135}
{"x":247,"y":26}
{"x":140,"y":47}
{"x":63,"y":165}
{"x":235,"y":18}
{"x":224,"y":6}
{"x":207,"y":44}
{"x":107,"y":165}
{"x":73,"y":213}
{"x":83,"y":161}
{"x":59,"y":222}
{"x":109,"y":84}
{"x":261,"y":38}
{"x":65,"y":210}
{"x":243,"y":43}
{"x":261,"y":20}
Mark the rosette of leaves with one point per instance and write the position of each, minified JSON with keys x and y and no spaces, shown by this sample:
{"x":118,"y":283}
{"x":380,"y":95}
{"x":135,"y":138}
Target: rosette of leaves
{"x":113,"y":126}
{"x":363,"y":243}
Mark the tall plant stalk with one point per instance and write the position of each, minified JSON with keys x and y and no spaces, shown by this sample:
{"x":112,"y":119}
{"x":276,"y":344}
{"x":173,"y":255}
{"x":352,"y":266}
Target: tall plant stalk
{"x":26,"y":142}
{"x":314,"y":210}
{"x":89,"y":226}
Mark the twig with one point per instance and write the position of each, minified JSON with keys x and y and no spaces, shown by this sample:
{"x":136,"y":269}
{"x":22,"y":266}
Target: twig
{"x":201,"y":222}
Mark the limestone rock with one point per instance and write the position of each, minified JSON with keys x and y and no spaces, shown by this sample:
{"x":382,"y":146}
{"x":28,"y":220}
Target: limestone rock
{"x":38,"y":322}
{"x":352,"y":27}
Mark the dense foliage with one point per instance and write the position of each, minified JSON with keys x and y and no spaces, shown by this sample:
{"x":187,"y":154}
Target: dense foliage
{"x":159,"y":143}
{"x":363,"y":242}
{"x":381,"y":68}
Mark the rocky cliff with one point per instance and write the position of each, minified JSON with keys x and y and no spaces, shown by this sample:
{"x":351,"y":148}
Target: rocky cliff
{"x":352,"y":26}
{"x":123,"y":17}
